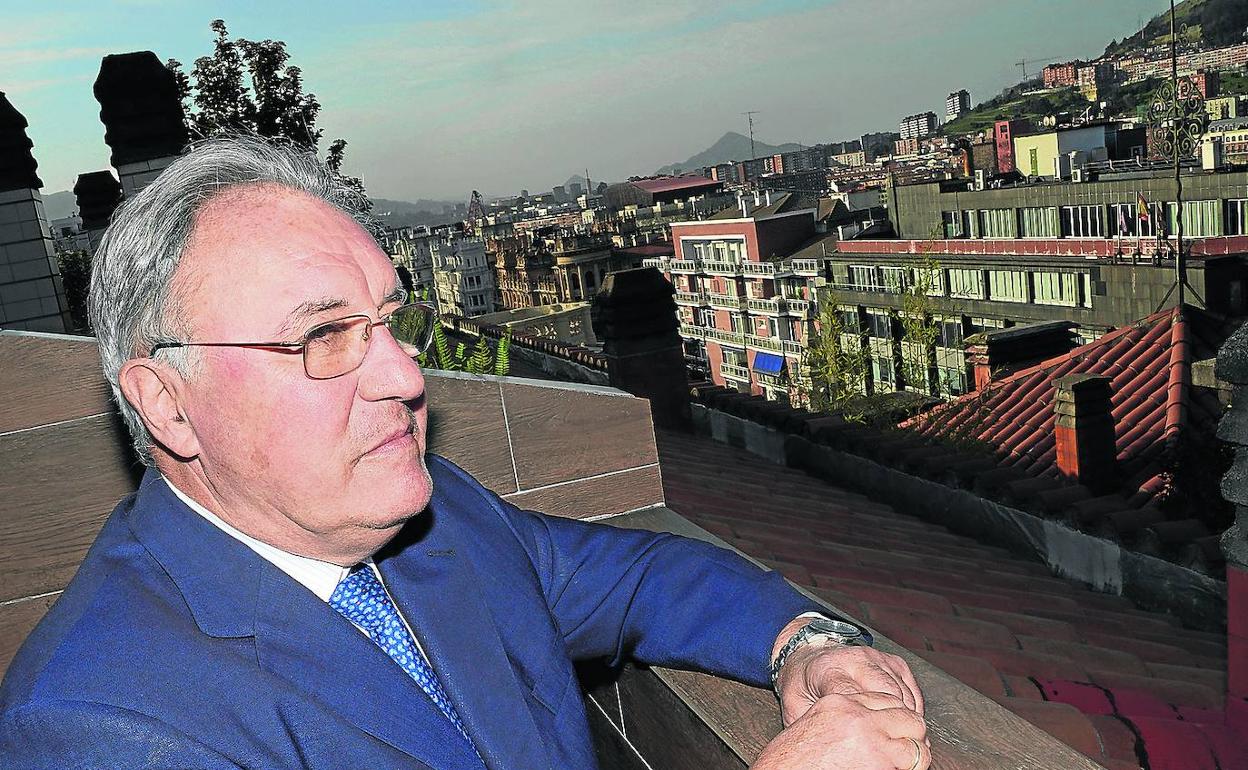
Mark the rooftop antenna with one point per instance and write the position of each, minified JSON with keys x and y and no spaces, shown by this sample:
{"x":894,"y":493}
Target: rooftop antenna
{"x":750,"y":117}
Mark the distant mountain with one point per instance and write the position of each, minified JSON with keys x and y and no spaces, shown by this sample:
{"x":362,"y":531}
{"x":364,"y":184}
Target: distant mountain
{"x":731,"y":146}
{"x":420,"y":212}
{"x":58,"y":205}
{"x":1213,"y":23}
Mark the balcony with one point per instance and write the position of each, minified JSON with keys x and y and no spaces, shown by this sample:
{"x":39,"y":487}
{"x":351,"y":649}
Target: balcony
{"x":764,"y":306}
{"x":683,"y":266}
{"x":734,"y":372}
{"x":763,"y":343}
{"x":726,"y":338}
{"x":691,"y":298}
{"x":661,"y":264}
{"x":689,"y":330}
{"x":758,"y":268}
{"x":798,"y":307}
{"x":721,"y":268}
{"x":810,"y":267}
{"x":792,"y":348}
{"x":726,"y":301}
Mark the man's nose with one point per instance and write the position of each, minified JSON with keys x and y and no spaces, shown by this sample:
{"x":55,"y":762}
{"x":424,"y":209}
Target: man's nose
{"x":388,"y":372}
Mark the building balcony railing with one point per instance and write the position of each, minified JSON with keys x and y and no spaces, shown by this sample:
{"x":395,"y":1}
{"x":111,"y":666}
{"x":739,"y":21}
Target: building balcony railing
{"x":689,"y":330}
{"x":758,"y":268}
{"x":805,"y":266}
{"x":734,"y":372}
{"x":726,"y":338}
{"x":775,"y":380}
{"x":691,"y":298}
{"x":726,"y":301}
{"x":661,"y":264}
{"x":721,"y":268}
{"x":683,"y":266}
{"x":764,"y":306}
{"x":792,"y":347}
{"x":797,"y":307}
{"x":763,"y":343}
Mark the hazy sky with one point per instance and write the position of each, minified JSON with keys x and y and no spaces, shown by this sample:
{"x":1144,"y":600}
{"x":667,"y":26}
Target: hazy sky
{"x":436,"y":99}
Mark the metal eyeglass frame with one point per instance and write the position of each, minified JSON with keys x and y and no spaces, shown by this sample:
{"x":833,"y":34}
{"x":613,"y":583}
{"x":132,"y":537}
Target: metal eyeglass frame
{"x":302,"y":345}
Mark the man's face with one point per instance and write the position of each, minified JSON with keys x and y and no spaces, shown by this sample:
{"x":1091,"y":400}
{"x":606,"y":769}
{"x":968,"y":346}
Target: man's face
{"x":326,"y":468}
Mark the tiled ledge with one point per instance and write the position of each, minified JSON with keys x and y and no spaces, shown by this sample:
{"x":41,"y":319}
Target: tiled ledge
{"x":660,"y":718}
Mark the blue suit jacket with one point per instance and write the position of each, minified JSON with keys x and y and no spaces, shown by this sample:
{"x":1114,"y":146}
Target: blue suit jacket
{"x":177,"y":646}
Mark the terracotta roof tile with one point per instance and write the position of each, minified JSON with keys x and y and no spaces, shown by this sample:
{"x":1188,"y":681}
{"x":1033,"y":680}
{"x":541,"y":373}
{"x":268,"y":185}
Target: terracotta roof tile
{"x":1003,"y":625}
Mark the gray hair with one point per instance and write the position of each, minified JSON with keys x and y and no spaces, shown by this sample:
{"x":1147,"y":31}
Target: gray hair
{"x":131,"y":306}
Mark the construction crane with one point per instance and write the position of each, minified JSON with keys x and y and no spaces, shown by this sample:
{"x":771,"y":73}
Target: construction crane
{"x":750,"y":117}
{"x":1034,"y":60}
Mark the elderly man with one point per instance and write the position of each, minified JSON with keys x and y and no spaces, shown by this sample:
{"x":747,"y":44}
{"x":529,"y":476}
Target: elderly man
{"x":297,"y":584}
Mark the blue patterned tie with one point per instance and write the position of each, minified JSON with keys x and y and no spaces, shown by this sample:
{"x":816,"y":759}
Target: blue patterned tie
{"x":361,"y":598}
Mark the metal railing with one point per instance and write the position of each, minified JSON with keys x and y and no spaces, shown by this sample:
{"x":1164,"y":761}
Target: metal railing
{"x":805,"y":266}
{"x":758,"y":268}
{"x":734,"y":372}
{"x":683,"y":266}
{"x":689,"y":330}
{"x":654,"y":262}
{"x":726,"y":301}
{"x":768,"y":306}
{"x":721,"y":268}
{"x":691,"y":298}
{"x":763,"y":343}
{"x":792,"y":348}
{"x":728,"y":338}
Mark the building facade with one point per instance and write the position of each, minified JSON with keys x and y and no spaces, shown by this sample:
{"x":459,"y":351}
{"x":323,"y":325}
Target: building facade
{"x":918,"y":126}
{"x":463,"y":278}
{"x":957,"y":104}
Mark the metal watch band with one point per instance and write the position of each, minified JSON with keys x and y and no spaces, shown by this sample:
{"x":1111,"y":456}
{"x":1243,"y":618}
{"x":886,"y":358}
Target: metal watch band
{"x":840,"y":631}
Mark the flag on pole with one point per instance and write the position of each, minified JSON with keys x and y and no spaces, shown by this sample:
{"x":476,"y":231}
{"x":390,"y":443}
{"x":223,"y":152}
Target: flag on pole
{"x":1122,"y":220}
{"x":1142,"y":207}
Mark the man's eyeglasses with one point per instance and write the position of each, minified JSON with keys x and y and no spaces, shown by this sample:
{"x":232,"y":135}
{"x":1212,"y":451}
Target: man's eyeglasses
{"x":337,"y":347}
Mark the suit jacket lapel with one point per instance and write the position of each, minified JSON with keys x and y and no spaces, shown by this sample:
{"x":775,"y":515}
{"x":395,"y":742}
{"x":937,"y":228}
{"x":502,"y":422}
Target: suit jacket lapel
{"x":232,"y":593}
{"x":304,"y":640}
{"x":436,"y":589}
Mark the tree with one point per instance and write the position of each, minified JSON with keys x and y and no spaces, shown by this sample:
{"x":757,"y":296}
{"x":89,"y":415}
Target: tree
{"x":251,"y":87}
{"x":75,"y":268}
{"x":836,"y":360}
{"x":918,"y":329}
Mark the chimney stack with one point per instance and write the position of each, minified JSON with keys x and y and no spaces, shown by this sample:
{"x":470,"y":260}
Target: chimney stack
{"x":1084,"y":431}
{"x":1001,"y":351}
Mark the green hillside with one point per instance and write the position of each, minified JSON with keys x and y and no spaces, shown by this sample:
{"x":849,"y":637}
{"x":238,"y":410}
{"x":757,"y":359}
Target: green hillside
{"x":1215,"y":23}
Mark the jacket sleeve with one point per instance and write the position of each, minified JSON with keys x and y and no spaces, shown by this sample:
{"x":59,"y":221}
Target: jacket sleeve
{"x":658,"y":598}
{"x":44,"y":735}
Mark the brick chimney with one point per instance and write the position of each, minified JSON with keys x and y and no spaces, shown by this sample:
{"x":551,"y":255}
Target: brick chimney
{"x":1084,"y":431}
{"x":1232,"y":367}
{"x":635,"y":317}
{"x":142,"y":114}
{"x":998,"y":352}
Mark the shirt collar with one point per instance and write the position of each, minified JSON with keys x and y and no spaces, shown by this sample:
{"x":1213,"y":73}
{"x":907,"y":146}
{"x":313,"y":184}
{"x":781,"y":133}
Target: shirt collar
{"x":319,"y":577}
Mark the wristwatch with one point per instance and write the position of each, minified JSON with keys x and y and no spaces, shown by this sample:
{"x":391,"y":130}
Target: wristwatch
{"x":819,"y":630}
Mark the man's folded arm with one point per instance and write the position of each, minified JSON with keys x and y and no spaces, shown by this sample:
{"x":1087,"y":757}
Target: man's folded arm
{"x":60,"y":734}
{"x":658,"y":598}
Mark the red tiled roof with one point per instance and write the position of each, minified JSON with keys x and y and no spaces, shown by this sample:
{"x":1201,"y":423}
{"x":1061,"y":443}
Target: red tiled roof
{"x":667,"y":184}
{"x":1122,"y":685}
{"x":1149,"y":364}
{"x":663,"y":249}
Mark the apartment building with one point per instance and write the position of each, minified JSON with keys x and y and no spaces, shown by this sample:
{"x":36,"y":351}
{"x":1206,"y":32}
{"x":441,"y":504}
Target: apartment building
{"x":463,"y":278}
{"x":746,"y":305}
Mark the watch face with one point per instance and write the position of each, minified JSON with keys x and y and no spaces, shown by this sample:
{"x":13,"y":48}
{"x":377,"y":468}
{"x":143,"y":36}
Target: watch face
{"x":837,"y":627}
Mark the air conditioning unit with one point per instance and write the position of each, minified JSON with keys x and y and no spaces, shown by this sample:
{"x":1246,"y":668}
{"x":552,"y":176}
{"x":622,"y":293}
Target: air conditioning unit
{"x":980,"y":178}
{"x":1077,"y":175}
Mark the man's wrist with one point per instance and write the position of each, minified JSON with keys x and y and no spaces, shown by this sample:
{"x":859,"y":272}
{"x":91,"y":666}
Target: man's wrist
{"x":818,"y":629}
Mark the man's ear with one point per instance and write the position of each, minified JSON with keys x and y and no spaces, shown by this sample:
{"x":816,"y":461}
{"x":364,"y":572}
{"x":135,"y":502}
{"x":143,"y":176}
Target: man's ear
{"x":154,"y":390}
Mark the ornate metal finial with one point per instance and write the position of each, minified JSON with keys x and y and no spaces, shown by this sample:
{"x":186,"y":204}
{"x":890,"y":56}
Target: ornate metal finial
{"x":1177,"y":119}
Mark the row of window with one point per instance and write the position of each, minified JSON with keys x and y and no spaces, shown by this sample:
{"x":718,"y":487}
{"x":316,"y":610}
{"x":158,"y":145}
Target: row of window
{"x":716,"y":249}
{"x":1202,"y":218}
{"x":1039,"y":287}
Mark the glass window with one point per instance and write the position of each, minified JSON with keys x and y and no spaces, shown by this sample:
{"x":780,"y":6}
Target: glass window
{"x":879,"y":325}
{"x":894,"y":279}
{"x":1056,"y":288}
{"x":952,"y":221}
{"x":949,"y":333}
{"x":997,"y":223}
{"x":1007,"y":285}
{"x":882,"y":372}
{"x":1200,"y":218}
{"x":864,"y":278}
{"x":1236,"y":222}
{"x":1083,"y":222}
{"x":966,"y":284}
{"x":1039,"y":222}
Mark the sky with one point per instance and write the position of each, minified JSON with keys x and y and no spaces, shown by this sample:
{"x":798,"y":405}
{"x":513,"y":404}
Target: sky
{"x":438,"y":99}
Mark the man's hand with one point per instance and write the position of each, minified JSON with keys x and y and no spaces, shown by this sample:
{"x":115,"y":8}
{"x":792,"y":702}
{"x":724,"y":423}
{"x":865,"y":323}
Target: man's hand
{"x":863,"y":731}
{"x":816,"y":670}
